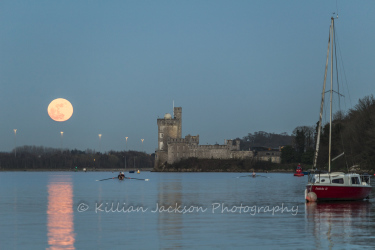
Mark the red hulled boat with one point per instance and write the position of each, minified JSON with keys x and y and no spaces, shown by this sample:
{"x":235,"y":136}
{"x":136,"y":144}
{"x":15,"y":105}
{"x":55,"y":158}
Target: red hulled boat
{"x":337,"y":186}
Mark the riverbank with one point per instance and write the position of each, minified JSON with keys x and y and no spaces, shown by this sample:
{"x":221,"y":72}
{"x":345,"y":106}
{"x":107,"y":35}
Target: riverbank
{"x":237,"y":165}
{"x":226,"y":165}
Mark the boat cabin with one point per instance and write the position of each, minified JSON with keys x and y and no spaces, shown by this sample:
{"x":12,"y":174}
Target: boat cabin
{"x":338,"y":178}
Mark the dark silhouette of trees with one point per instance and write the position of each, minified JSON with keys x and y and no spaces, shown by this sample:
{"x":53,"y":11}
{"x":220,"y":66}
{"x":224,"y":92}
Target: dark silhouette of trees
{"x":288,"y":154}
{"x":264,"y":139}
{"x":37,"y":157}
{"x":352,"y":133}
{"x":304,"y":141}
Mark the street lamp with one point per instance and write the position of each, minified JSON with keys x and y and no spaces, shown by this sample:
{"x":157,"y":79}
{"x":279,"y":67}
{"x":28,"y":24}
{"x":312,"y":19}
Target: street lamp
{"x":126,"y":143}
{"x":100,"y":137}
{"x":126,"y":149}
{"x":62,"y":133}
{"x":15,"y":142}
{"x":142,"y":143}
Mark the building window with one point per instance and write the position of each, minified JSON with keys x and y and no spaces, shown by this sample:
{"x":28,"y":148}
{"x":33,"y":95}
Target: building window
{"x":161,"y":135}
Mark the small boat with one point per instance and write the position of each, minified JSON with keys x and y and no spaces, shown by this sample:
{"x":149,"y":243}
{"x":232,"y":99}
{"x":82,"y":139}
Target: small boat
{"x":307,"y":172}
{"x":327,"y":186}
{"x":299,"y":171}
{"x":335,"y":186}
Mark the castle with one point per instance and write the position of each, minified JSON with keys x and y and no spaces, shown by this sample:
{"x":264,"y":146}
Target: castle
{"x":172,"y":147}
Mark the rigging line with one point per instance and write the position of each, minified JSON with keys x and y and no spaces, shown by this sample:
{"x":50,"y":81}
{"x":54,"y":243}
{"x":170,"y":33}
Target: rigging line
{"x":340,"y":121}
{"x":343,"y":68}
{"x":344,"y":90}
{"x":347,"y":87}
{"x":337,"y":72}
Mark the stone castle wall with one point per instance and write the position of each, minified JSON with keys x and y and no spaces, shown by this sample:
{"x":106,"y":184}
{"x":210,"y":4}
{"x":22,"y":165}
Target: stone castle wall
{"x":182,"y":150}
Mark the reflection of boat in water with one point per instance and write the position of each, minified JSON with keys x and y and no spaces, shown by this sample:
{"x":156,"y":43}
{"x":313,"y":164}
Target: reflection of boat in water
{"x":338,"y":209}
{"x":336,"y":224}
{"x":323,"y":186}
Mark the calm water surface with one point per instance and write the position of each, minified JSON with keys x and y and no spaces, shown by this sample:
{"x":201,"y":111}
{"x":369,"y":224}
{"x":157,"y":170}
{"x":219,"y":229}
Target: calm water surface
{"x":67,"y":210}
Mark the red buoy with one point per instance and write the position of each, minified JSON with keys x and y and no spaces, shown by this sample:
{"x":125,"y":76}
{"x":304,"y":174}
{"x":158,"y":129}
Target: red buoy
{"x":298,"y":171}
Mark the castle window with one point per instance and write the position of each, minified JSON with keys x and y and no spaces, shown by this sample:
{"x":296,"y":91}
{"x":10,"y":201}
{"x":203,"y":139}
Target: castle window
{"x":161,"y":135}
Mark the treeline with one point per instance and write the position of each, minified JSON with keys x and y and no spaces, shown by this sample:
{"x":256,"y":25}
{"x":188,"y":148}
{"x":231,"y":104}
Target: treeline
{"x":35,"y":157}
{"x":302,"y":148}
{"x":264,"y":139}
{"x":353,"y":133}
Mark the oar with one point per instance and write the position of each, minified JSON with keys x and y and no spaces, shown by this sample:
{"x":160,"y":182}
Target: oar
{"x":107,"y":179}
{"x":137,"y":179}
{"x":253,"y":176}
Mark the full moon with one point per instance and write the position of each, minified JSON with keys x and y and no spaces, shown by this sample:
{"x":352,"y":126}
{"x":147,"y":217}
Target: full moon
{"x":60,"y":110}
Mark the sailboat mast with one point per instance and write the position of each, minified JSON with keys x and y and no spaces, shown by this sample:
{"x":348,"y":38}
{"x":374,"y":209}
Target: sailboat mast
{"x":331,"y":92}
{"x":322,"y":103}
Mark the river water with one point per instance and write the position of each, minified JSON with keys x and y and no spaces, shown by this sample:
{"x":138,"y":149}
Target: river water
{"x":71,"y":210}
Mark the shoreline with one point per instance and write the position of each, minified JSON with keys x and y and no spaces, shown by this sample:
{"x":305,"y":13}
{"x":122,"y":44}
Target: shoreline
{"x":141,"y":170}
{"x":151,"y":170}
{"x":73,"y":170}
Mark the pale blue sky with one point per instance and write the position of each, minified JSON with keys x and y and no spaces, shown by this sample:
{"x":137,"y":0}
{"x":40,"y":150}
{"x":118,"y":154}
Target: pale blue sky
{"x":235,"y":67}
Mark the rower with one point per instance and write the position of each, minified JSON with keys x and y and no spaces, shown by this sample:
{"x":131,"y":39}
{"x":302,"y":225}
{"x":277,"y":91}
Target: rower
{"x":121,"y":176}
{"x":253,"y":174}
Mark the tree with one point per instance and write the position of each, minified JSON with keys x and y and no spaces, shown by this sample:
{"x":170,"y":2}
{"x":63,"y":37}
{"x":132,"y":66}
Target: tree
{"x":287,"y":154}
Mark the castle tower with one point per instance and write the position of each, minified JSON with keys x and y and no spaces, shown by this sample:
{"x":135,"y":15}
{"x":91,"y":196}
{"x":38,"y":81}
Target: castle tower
{"x":168,"y":128}
{"x":178,"y":117}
